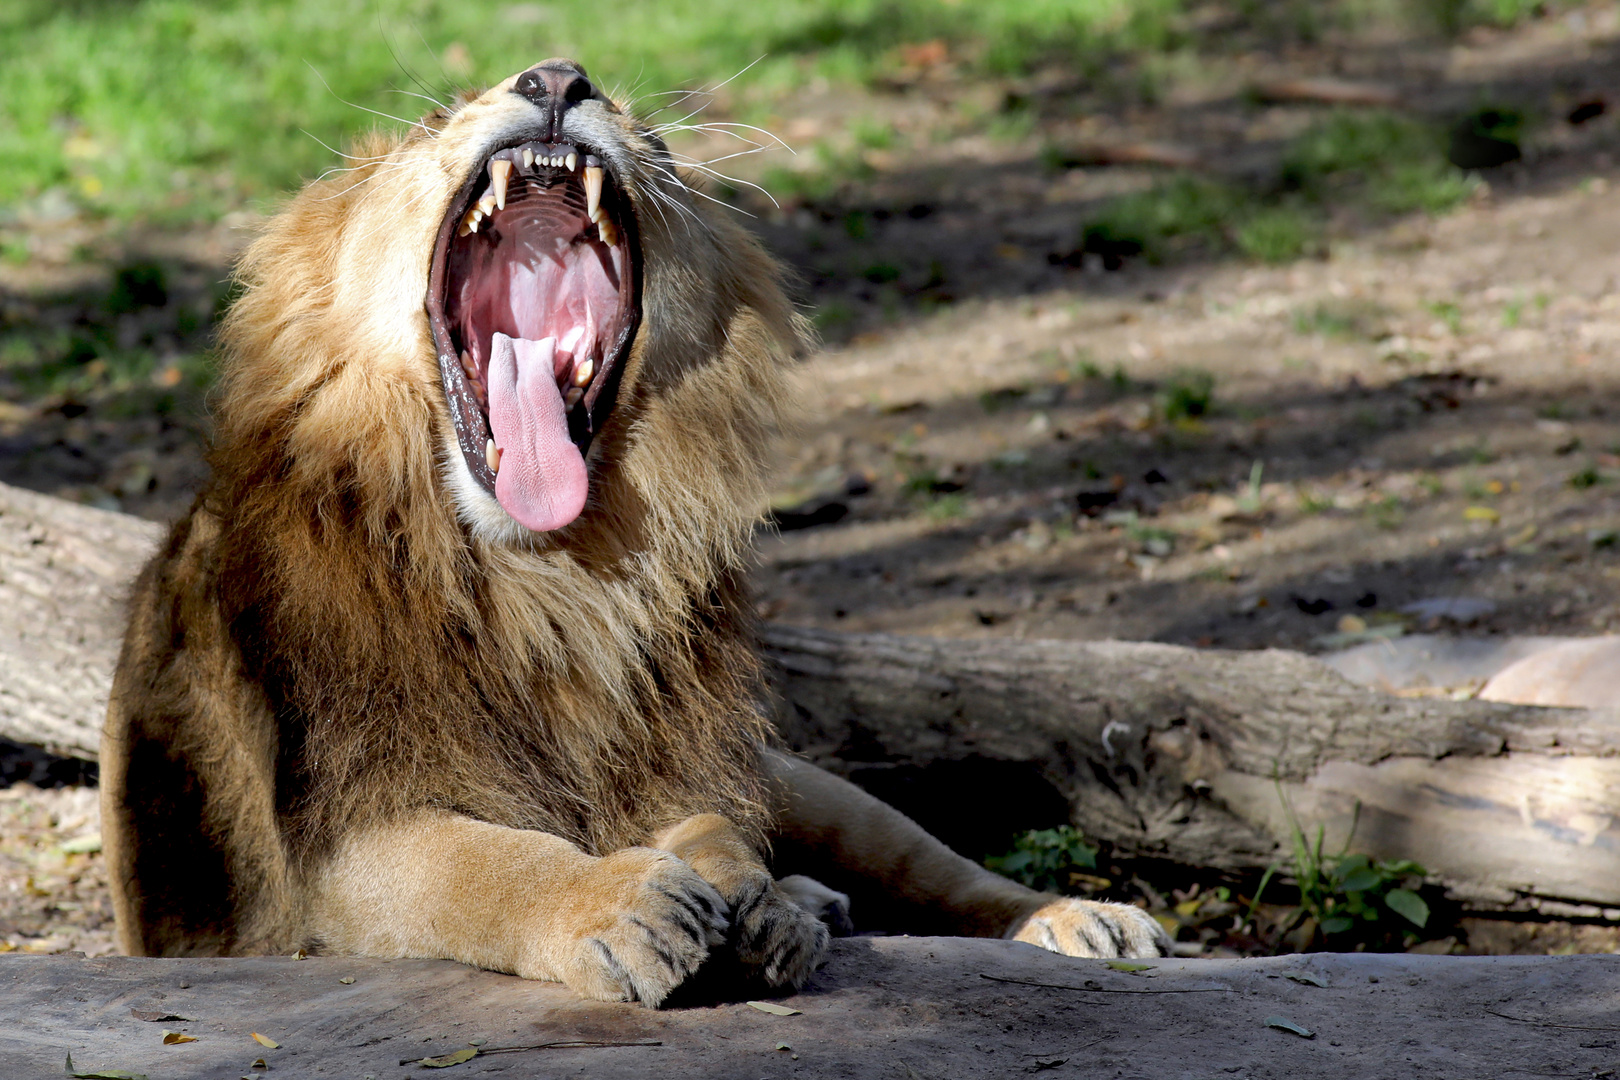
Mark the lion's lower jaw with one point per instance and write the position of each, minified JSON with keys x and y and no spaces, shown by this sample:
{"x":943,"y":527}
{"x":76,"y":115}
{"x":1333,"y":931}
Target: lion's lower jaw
{"x":477,"y":509}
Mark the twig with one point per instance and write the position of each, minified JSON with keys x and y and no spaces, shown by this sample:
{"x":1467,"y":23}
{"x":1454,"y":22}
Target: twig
{"x":1549,"y":1023}
{"x":560,"y":1044}
{"x":1101,"y":990}
{"x":563,"y":1044}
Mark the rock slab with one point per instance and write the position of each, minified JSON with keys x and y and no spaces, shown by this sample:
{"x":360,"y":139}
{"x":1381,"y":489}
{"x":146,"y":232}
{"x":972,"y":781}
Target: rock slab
{"x":896,"y":1007}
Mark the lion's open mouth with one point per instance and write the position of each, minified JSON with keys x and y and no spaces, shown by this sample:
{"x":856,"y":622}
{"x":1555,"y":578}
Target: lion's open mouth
{"x":533,"y":300}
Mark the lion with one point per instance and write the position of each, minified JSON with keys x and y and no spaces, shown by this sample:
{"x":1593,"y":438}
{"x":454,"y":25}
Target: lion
{"x":453,"y":656}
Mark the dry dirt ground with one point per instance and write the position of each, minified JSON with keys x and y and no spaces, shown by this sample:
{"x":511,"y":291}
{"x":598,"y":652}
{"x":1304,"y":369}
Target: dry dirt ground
{"x":1413,"y":430}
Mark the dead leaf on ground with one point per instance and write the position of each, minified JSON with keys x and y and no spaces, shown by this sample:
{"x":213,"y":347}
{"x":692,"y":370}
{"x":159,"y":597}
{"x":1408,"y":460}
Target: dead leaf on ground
{"x":446,"y":1060}
{"x":1305,"y":977}
{"x":772,"y":1008}
{"x":174,"y":1038}
{"x":1284,"y":1024}
{"x":102,"y":1074}
{"x":265,"y":1040}
{"x":1126,"y":965}
{"x":347,"y":980}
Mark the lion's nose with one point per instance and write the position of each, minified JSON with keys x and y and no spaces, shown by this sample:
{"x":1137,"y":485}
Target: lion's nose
{"x":555,"y":85}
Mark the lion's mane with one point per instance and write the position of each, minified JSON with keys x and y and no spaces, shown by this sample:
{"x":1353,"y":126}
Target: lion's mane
{"x":327,"y":640}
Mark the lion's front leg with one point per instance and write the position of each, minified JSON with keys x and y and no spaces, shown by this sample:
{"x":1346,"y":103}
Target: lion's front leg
{"x":630,"y":926}
{"x":769,"y":931}
{"x":902,"y":879}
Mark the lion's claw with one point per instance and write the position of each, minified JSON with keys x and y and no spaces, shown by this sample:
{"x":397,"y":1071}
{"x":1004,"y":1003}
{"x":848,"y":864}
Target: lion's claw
{"x":1088,"y":928}
{"x":774,"y":935}
{"x":661,"y":935}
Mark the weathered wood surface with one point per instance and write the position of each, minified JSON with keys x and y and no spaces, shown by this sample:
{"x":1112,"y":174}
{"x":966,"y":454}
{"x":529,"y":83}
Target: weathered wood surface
{"x":1159,"y":749}
{"x":63,"y":572}
{"x":881,"y":1007}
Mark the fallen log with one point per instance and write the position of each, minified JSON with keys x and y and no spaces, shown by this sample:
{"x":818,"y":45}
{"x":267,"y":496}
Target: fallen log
{"x":1185,"y":754}
{"x":1197,"y":755}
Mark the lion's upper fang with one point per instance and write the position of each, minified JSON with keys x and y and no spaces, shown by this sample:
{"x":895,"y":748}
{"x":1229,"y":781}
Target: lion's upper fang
{"x":533,"y":159}
{"x":533,"y":303}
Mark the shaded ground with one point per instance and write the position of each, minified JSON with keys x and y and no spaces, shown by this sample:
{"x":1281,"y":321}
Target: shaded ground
{"x":1414,"y":428}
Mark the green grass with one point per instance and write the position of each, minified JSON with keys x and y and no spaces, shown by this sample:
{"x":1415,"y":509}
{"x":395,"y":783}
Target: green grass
{"x":1343,"y":896}
{"x":182,"y":108}
{"x":1371,"y":164}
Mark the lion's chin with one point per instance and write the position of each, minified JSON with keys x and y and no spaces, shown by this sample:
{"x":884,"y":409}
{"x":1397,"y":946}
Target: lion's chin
{"x":533,"y":300}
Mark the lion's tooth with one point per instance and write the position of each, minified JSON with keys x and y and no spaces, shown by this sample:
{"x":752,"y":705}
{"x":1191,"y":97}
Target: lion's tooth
{"x":571,"y":398}
{"x":583,"y":372}
{"x":570,"y":161}
{"x":528,"y":158}
{"x":499,"y":170}
{"x":464,"y":229}
{"x":469,"y":223}
{"x":608,"y":232}
{"x":492,"y":456}
{"x":467,"y":364}
{"x":593,"y":190}
{"x":486,"y":205}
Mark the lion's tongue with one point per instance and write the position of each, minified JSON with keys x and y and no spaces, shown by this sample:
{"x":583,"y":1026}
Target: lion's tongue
{"x":541,"y":481}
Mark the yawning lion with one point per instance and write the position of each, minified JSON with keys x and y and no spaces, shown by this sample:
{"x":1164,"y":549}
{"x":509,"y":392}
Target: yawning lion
{"x":452,"y":658}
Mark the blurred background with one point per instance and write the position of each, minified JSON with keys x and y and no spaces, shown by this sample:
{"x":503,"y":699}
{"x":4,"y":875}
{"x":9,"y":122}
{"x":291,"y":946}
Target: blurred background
{"x":1241,"y":324}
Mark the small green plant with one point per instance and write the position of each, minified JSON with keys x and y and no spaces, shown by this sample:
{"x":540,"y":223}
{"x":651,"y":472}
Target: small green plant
{"x":1345,"y":320}
{"x":1588,"y":477}
{"x":1512,"y":313}
{"x":1455,"y":16}
{"x":1250,"y":501}
{"x":948,"y":506}
{"x":1392,"y":163}
{"x":1188,"y":395}
{"x":1276,"y":234}
{"x":1182,"y":213}
{"x":1387,"y":512}
{"x":1449,"y":313}
{"x":1341,"y":892}
{"x":1160,"y":543}
{"x":1311,"y":502}
{"x":1043,"y":859}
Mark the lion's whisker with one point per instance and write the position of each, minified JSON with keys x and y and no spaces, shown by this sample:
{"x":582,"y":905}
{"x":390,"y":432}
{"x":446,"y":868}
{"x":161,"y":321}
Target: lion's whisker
{"x":718,"y":175}
{"x":414,"y":94}
{"x":663,"y":197}
{"x":721,"y":127}
{"x":386,"y":116}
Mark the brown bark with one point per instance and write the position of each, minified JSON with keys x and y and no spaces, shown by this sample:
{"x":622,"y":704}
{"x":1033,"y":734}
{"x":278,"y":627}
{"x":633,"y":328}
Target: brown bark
{"x":1181,"y":753}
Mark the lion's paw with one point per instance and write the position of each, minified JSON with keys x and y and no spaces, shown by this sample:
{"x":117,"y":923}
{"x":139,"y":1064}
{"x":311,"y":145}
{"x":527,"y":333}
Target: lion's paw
{"x":667,"y":920}
{"x":828,"y":905}
{"x":774,"y":935}
{"x":1087,"y":928}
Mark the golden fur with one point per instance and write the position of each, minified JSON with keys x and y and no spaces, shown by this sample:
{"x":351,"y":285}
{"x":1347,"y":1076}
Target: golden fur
{"x":357,"y":704}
